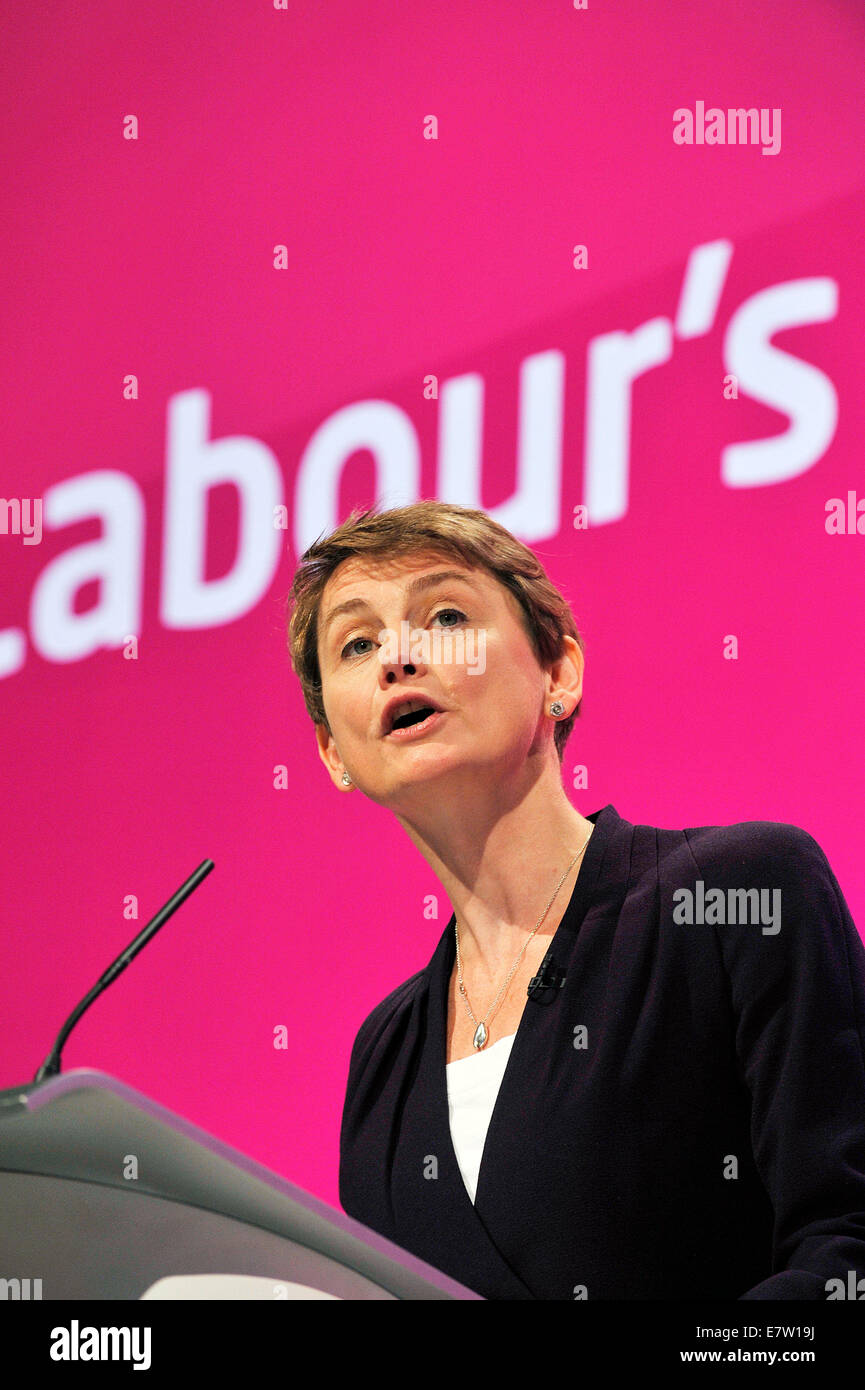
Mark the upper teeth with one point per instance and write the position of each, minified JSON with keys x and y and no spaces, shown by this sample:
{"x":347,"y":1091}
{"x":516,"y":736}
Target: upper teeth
{"x":407,"y":707}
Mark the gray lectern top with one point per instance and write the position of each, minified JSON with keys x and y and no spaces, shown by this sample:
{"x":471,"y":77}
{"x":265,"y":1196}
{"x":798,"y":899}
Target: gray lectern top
{"x":103,"y":1192}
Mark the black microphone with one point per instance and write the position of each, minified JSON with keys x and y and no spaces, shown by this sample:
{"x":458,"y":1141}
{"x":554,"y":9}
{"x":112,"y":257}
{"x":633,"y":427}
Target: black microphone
{"x":550,"y":977}
{"x":51,"y":1065}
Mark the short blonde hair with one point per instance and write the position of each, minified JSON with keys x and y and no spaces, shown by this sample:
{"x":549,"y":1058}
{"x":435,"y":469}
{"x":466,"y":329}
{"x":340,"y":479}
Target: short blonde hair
{"x":442,"y":529}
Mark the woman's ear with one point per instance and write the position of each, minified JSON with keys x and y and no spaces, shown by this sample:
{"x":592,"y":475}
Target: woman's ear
{"x":565,"y":677}
{"x":329,"y":754}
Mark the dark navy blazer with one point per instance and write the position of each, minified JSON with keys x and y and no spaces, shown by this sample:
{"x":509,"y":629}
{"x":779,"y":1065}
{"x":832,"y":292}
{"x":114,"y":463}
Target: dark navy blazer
{"x":704,"y":1138}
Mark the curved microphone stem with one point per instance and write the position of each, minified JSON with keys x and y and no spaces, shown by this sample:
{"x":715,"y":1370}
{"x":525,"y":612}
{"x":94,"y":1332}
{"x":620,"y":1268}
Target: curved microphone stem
{"x":51,"y":1065}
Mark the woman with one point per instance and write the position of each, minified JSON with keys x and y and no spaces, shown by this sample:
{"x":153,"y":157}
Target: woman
{"x":624,"y":1073}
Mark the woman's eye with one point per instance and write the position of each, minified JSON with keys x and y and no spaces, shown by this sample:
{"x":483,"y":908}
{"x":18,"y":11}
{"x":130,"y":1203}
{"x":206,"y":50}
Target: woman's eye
{"x":347,"y":649}
{"x":443,"y":611}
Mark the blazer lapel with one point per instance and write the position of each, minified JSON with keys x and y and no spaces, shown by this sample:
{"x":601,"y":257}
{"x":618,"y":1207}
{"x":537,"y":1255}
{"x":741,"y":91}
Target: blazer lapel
{"x":433,"y":1213}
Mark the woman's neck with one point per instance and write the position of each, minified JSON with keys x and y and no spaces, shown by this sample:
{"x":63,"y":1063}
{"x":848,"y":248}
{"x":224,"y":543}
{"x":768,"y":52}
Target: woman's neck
{"x":499,"y":858}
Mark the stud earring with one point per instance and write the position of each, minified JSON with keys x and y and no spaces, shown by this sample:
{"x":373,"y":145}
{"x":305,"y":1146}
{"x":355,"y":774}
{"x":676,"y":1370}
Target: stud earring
{"x":346,"y":780}
{"x":557,"y":708}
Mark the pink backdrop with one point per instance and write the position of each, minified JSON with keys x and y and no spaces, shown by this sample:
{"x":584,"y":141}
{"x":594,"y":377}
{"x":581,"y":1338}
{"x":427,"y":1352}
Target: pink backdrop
{"x":409,"y":260}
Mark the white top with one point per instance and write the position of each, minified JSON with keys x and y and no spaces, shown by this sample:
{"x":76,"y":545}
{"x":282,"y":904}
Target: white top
{"x":473,"y":1084}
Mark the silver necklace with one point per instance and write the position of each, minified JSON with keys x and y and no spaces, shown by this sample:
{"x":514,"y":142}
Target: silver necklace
{"x":481,"y":1031}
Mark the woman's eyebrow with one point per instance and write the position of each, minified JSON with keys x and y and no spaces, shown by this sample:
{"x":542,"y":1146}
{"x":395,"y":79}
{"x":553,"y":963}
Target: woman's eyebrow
{"x":415,"y":587}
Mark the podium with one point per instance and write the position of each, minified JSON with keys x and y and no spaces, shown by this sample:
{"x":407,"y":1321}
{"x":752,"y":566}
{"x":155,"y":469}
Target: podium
{"x":105,"y":1194}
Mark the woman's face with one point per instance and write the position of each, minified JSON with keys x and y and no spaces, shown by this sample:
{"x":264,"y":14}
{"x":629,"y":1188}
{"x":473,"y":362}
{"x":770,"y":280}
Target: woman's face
{"x":471,"y":657}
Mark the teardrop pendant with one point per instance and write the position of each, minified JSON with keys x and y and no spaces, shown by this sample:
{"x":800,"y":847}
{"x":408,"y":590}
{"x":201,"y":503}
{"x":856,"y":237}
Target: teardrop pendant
{"x":480,"y":1036}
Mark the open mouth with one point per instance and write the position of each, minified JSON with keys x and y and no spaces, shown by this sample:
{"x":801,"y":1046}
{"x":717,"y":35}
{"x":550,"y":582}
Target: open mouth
{"x":415,"y":716}
{"x":415,"y":724}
